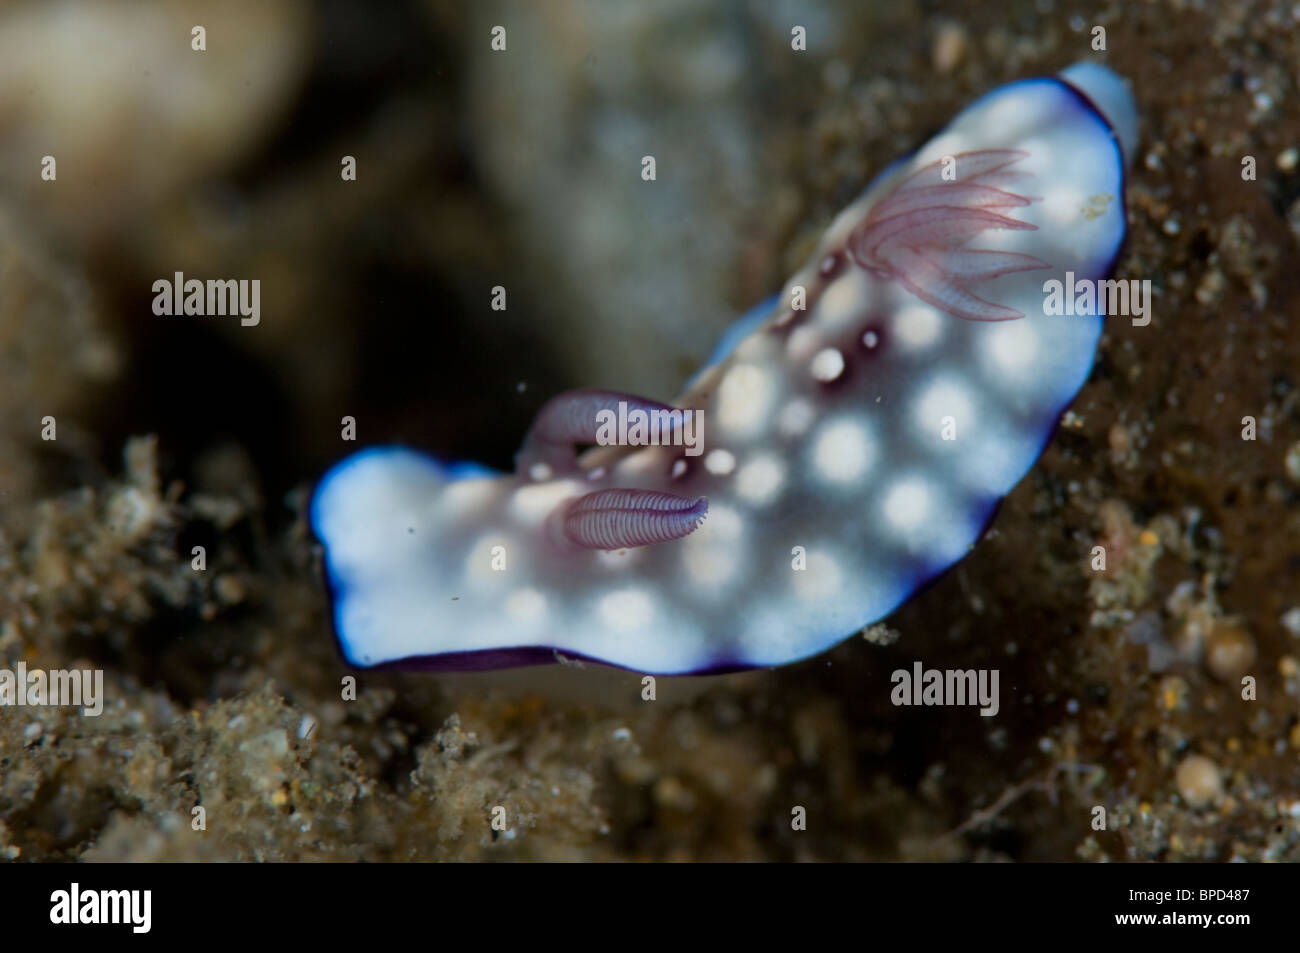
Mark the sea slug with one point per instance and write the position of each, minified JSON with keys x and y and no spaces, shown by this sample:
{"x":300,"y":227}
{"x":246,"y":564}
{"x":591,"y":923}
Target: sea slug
{"x":858,"y":432}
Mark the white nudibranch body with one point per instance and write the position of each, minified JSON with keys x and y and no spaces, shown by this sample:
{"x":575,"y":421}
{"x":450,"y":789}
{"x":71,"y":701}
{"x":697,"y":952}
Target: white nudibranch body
{"x":853,"y":450}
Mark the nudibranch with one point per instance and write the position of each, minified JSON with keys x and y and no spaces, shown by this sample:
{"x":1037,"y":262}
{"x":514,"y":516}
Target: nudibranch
{"x":859,"y":431}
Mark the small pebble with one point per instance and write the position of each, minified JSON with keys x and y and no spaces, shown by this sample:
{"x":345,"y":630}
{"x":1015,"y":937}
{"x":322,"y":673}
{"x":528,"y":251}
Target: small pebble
{"x":949,"y":48}
{"x":1174,"y":693}
{"x":1183,"y":599}
{"x":1198,"y":781}
{"x":1229,"y":652}
{"x":671,"y":793}
{"x":228,"y":589}
{"x":1120,"y":439}
{"x":1292,"y":463}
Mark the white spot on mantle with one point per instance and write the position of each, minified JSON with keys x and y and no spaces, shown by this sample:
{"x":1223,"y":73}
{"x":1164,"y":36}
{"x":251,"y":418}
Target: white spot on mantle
{"x":907,"y":505}
{"x":744,"y":399}
{"x":842,"y":451}
{"x":626,"y":609}
{"x":917,"y":326}
{"x":720,"y":462}
{"x":759,"y":481}
{"x":526,"y":605}
{"x":796,"y":417}
{"x":827,"y":364}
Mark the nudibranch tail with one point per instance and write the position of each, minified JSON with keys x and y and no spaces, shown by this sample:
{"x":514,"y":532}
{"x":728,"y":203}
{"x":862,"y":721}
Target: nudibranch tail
{"x":619,"y":519}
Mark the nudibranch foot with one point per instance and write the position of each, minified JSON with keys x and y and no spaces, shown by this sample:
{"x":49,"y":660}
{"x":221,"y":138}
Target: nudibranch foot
{"x":863,"y":426}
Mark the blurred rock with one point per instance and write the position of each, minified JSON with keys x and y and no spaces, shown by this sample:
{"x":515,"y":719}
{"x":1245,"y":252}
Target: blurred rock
{"x":132,"y":114}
